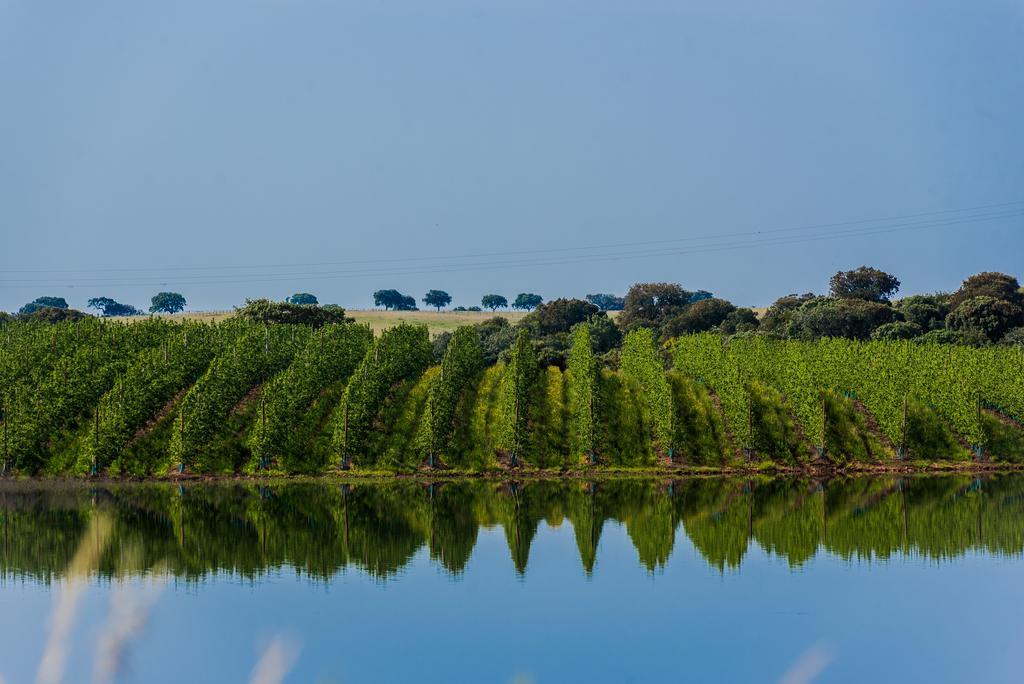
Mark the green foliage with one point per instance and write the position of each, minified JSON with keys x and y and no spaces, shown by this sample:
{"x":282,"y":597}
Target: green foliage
{"x":493,"y":301}
{"x":926,"y":311}
{"x":172,"y":303}
{"x":460,"y":369}
{"x":496,"y":336}
{"x":393,"y":299}
{"x":266,"y":311}
{"x":985,"y":318}
{"x":525,"y":301}
{"x":897,"y":330}
{"x":518,"y":399}
{"x":640,"y":364}
{"x":297,"y":298}
{"x":853,"y":319}
{"x":989,"y":284}
{"x":607,"y":302}
{"x":651,"y":304}
{"x":558,"y":316}
{"x":41,"y":302}
{"x":258,"y":353}
{"x":53,"y":314}
{"x":906,"y":387}
{"x":584,"y":395}
{"x":437,"y":299}
{"x":43,"y":405}
{"x":399,"y":354}
{"x":865,"y":283}
{"x":742,"y":320}
{"x":701,"y":316}
{"x":146,"y":386}
{"x":109,"y":307}
{"x":281,"y":429}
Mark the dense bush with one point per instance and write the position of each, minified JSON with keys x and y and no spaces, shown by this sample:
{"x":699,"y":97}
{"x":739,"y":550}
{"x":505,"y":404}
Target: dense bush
{"x":985,"y":318}
{"x":853,"y":319}
{"x":701,"y":316}
{"x":558,"y":316}
{"x":897,"y":330}
{"x":266,"y":311}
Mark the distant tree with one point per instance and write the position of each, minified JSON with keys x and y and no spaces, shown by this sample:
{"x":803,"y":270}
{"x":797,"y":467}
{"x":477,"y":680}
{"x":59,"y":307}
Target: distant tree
{"x":109,"y":307}
{"x":607,"y":302}
{"x":701,"y":316}
{"x":699,"y":296}
{"x":865,"y":283}
{"x":493,"y":301}
{"x":558,"y":316}
{"x":167,"y":302}
{"x":54,"y":314}
{"x":437,"y":299}
{"x":526,"y":300}
{"x":393,"y":299}
{"x":651,"y":304}
{"x":266,"y":311}
{"x":474,"y":308}
{"x":40,"y":302}
{"x":459,"y":308}
{"x":985,"y":319}
{"x":988,"y":284}
{"x":302,"y":298}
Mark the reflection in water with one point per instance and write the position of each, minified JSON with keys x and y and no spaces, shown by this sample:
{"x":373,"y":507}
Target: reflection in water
{"x":321,"y":529}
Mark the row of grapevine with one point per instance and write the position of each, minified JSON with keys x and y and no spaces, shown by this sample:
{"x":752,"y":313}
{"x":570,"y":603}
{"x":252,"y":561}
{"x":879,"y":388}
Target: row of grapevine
{"x":257,"y":353}
{"x":889,"y":378}
{"x":400,"y":353}
{"x":584,"y":374}
{"x":460,"y":368}
{"x":145,"y":387}
{"x":329,"y":357}
{"x":42,"y":415}
{"x":641,"y":365}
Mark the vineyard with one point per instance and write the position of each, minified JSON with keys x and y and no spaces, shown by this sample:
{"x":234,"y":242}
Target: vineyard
{"x":161,"y":398}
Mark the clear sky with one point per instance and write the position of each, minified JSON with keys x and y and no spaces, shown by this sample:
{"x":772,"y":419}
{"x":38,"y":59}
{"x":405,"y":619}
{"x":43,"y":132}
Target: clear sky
{"x":338,"y":147}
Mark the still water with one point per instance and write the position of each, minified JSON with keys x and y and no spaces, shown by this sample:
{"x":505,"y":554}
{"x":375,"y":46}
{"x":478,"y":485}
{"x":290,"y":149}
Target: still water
{"x":704,"y":580}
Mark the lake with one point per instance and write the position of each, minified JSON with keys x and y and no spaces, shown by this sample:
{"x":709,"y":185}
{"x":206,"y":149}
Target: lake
{"x":623,"y":580}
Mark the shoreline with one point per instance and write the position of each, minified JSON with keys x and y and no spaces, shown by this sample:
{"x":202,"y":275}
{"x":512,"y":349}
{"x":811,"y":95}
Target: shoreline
{"x":509,"y":475}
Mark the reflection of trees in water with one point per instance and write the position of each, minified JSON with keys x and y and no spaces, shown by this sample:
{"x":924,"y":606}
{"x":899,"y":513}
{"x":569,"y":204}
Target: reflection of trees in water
{"x":322,"y":528}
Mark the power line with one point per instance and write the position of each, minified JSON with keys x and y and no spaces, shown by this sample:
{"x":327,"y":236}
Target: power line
{"x":586,"y":248}
{"x":552,"y":261}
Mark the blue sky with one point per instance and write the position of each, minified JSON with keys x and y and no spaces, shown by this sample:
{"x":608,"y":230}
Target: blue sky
{"x":338,"y":147}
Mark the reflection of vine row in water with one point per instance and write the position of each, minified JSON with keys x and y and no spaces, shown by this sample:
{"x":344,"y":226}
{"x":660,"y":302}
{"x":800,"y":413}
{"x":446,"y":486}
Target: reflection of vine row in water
{"x":156,"y":398}
{"x":320,"y":529}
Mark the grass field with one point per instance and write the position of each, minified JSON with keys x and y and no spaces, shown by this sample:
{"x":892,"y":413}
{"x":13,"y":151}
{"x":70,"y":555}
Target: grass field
{"x":436,"y":321}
